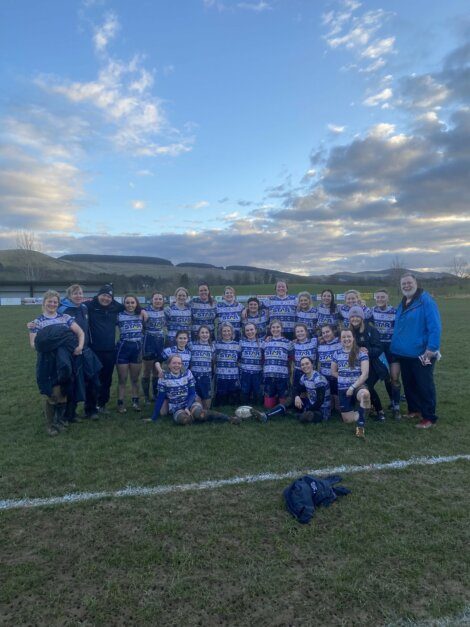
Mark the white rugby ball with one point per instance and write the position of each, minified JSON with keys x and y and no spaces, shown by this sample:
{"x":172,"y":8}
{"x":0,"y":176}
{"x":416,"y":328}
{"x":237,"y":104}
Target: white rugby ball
{"x":243,"y":412}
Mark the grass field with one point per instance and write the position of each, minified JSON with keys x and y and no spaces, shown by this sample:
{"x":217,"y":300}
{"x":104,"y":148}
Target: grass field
{"x":394,"y":552}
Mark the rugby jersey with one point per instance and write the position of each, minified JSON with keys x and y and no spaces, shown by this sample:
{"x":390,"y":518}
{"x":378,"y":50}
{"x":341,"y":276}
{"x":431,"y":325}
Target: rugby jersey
{"x":178,"y":389}
{"x":202,"y":312}
{"x":251,"y":356}
{"x":177,"y":319}
{"x":131,"y":326}
{"x":156,"y":321}
{"x":43,"y":321}
{"x":230,"y":312}
{"x":282,"y":309}
{"x":347,"y":375}
{"x":384,"y":322}
{"x":325,"y":355}
{"x":309,"y":318}
{"x":326,"y":317}
{"x":309,"y":348}
{"x":226,"y":359}
{"x":312,"y":383}
{"x":202,"y":356}
{"x":260,"y":321}
{"x":276,"y":357}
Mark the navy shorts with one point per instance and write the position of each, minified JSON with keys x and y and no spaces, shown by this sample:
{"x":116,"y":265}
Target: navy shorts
{"x":297,"y":376}
{"x":251,"y":382}
{"x":348,"y":403}
{"x":152,"y":347}
{"x":227,"y":386}
{"x":276,"y":387}
{"x":129,"y":352}
{"x":203,"y":386}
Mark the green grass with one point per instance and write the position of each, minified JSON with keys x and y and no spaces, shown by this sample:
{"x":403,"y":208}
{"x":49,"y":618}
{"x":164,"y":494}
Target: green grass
{"x":394,"y":550}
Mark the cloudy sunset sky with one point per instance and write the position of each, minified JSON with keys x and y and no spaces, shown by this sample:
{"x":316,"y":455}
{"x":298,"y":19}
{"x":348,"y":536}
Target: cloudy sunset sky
{"x":304,"y":135}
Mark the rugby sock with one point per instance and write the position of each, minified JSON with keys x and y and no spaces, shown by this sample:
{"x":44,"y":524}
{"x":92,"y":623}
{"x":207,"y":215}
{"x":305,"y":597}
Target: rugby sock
{"x":279,"y":410}
{"x":396,"y":396}
{"x":362,"y":417}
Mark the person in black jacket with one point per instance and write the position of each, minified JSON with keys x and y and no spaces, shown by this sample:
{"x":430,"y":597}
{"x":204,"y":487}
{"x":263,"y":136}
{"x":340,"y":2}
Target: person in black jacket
{"x":103,"y":312}
{"x":367,"y":336}
{"x":74,"y":306}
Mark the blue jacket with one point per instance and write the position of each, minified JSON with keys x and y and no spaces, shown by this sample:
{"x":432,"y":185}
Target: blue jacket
{"x":307,"y":492}
{"x":417,"y":327}
{"x":102,"y":324}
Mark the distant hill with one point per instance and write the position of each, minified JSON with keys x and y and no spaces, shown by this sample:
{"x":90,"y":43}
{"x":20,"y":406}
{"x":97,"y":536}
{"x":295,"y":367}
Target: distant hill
{"x":158,"y":261}
{"x":197,"y":264}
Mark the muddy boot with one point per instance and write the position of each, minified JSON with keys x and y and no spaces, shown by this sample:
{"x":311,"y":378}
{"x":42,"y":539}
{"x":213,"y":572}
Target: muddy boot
{"x":49,"y":413}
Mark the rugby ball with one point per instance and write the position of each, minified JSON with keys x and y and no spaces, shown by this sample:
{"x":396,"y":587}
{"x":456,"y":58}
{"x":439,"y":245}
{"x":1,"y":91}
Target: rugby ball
{"x":243,"y":412}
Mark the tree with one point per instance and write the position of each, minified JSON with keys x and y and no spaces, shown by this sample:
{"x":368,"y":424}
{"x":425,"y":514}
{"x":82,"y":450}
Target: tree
{"x":397,"y":269}
{"x":459,"y":266}
{"x":27,"y":243}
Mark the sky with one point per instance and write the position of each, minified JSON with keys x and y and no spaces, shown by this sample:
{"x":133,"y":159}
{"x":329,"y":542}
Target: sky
{"x":310,"y":136}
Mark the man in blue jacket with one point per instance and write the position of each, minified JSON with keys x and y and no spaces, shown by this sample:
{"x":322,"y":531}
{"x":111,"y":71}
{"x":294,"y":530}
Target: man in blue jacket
{"x":416,"y":341}
{"x":103,"y":311}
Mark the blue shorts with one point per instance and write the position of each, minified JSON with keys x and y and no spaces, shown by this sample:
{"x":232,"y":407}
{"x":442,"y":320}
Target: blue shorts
{"x":129,"y":352}
{"x":152,"y":347}
{"x":227,"y":386}
{"x":348,"y":403}
{"x":203,"y":386}
{"x":251,"y":382}
{"x":276,"y":387}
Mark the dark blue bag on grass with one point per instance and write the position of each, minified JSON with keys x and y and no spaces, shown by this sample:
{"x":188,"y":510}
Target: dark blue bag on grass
{"x":308,"y":492}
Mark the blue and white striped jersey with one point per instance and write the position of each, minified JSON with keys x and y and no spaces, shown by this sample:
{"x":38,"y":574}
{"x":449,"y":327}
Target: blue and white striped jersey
{"x":260,"y":321}
{"x":156,"y":321}
{"x":131,"y":327}
{"x":277,"y":352}
{"x":282,"y":309}
{"x":43,"y":321}
{"x":309,"y":348}
{"x":312,"y":383}
{"x":309,"y":318}
{"x":325,"y":355}
{"x":178,"y":389}
{"x":202,"y":356}
{"x":251,"y":356}
{"x":326,"y":317}
{"x":226,"y":359}
{"x":202,"y":312}
{"x":230,"y":312}
{"x":384,"y":322}
{"x":347,"y":375}
{"x":177,"y":319}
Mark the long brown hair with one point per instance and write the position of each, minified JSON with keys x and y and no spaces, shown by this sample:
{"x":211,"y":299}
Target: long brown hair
{"x":354,"y":352}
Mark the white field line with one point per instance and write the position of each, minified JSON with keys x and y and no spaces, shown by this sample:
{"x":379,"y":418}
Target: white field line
{"x":79,"y":497}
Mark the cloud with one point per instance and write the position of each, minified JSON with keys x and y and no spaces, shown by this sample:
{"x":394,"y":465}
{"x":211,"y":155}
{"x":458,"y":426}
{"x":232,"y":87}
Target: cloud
{"x":258,"y":6}
{"x":200,"y":204}
{"x":358,"y":34}
{"x":106,"y":32}
{"x":138,"y":204}
{"x":379,"y":98}
{"x":336,"y":129}
{"x":119,"y":102}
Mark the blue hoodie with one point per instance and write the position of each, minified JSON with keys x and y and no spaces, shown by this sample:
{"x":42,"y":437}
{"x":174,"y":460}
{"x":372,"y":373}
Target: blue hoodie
{"x":417,"y":327}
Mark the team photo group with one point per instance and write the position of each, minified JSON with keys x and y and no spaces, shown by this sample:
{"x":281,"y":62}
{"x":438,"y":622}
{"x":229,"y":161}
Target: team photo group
{"x":266,"y":357}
